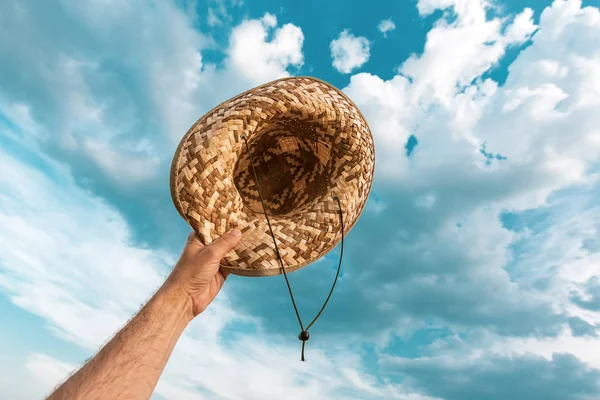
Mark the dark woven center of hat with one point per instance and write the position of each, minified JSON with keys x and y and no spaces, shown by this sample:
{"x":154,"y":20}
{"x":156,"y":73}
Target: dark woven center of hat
{"x":292,"y":164}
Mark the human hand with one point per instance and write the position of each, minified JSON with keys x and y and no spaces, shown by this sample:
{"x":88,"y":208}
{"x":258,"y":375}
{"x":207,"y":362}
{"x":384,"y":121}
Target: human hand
{"x":197,"y":276}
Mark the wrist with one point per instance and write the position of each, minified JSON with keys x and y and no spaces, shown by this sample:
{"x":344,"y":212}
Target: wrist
{"x":173,"y":297}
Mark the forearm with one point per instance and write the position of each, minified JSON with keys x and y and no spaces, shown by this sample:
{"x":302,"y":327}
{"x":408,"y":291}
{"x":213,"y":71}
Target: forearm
{"x":129,"y":366}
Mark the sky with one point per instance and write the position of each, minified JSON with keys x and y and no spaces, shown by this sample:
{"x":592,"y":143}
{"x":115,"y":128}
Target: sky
{"x":472,"y":274}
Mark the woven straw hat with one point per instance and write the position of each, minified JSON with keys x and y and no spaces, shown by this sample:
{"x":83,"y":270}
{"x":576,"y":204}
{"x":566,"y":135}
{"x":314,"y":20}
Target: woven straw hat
{"x":308,"y":141}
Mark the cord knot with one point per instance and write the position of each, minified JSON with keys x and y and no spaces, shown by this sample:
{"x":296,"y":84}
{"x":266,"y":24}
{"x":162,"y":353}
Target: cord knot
{"x":303,"y":336}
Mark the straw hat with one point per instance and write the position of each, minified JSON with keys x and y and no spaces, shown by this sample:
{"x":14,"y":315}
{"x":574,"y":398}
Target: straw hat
{"x":308,"y":141}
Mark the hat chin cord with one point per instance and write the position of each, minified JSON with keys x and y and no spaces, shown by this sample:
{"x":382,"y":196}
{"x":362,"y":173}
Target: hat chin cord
{"x":304,"y":335}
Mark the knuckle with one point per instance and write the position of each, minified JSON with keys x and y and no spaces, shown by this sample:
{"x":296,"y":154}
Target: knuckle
{"x":193,"y":238}
{"x":227,"y":240}
{"x":211,"y":252}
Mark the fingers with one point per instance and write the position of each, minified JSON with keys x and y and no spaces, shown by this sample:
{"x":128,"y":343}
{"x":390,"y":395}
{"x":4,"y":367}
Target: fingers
{"x":192,"y":245}
{"x":220,"y":246}
{"x":224,"y":273}
{"x":222,"y":277}
{"x":194,"y":239}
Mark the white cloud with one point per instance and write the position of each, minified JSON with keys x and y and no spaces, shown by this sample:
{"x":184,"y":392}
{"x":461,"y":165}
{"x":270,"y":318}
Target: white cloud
{"x":385,"y":26}
{"x":552,"y":262}
{"x":65,"y":268}
{"x":12,"y":376}
{"x":469,"y":374}
{"x":269,"y":20}
{"x":349,"y":52}
{"x":584,"y":347}
{"x":258,"y":60}
{"x":522,"y":27}
{"x":48,"y":370}
{"x":456,"y":52}
{"x":452,"y":114}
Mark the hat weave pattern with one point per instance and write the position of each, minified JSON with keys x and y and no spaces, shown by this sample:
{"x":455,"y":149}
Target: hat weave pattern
{"x":309,"y":142}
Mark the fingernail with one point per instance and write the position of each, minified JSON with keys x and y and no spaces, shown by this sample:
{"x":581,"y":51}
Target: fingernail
{"x":236,"y":233}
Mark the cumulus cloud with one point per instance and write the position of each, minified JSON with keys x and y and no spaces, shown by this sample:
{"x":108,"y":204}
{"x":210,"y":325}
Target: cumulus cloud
{"x":259,"y":60}
{"x":349,"y":52}
{"x":385,"y":26}
{"x":521,"y":28}
{"x":590,"y":299}
{"x":564,"y":377}
{"x":48,"y":370}
{"x":38,"y":259}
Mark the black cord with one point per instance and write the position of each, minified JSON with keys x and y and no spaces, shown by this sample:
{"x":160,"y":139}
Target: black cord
{"x":338,"y":268}
{"x":303,"y":336}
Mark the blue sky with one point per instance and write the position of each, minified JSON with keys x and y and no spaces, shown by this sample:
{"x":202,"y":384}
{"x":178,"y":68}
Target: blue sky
{"x":472,"y":274}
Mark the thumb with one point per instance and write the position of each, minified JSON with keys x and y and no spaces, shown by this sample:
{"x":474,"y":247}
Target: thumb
{"x":220,"y":246}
